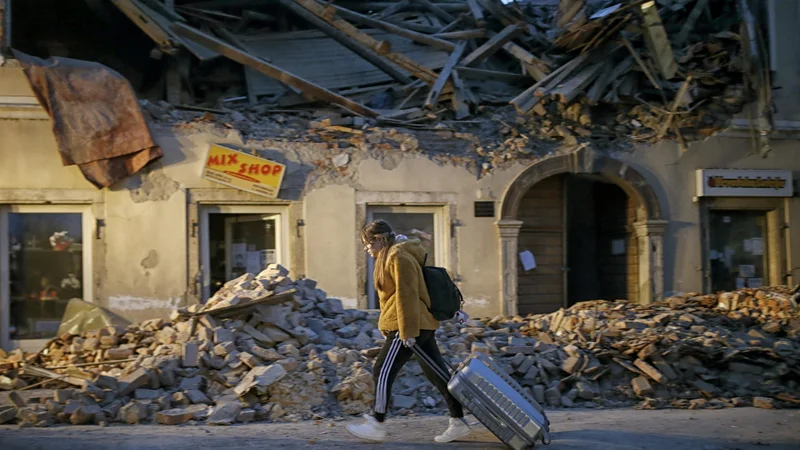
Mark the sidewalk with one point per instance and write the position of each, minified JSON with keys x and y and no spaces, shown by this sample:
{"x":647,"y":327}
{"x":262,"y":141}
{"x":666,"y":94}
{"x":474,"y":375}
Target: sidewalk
{"x":740,"y":428}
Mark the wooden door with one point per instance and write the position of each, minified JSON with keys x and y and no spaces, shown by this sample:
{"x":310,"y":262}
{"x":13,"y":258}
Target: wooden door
{"x":542,"y":289}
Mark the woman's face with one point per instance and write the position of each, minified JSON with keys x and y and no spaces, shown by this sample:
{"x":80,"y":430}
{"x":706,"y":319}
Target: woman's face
{"x":373,"y":247}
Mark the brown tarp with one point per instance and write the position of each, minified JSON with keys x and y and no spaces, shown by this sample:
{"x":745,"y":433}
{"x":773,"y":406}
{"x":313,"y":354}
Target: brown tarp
{"x":96,"y":117}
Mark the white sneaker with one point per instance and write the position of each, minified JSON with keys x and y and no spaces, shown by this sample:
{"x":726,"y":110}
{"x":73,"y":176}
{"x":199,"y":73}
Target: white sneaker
{"x":457,"y":430}
{"x":371,"y":429}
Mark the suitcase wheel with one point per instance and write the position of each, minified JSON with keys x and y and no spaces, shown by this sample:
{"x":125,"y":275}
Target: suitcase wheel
{"x":545,"y":437}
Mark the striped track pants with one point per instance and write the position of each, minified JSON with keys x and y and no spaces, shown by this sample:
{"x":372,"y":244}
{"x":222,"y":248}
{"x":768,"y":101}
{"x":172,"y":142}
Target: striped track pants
{"x":391,"y":359}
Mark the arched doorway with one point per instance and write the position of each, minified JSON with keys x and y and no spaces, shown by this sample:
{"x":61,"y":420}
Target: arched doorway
{"x":594,"y":228}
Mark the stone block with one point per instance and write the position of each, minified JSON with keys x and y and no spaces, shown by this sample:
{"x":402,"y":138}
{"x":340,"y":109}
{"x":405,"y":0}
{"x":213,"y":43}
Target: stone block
{"x":133,"y":412}
{"x":224,"y":414}
{"x":147,"y":394}
{"x":106,"y":382}
{"x":198,"y":397}
{"x":246,"y":415}
{"x":191,"y":355}
{"x":539,"y":394}
{"x":16,"y":399}
{"x":223,"y":335}
{"x":650,"y":371}
{"x":403,"y":401}
{"x":641,"y":386}
{"x":763,"y":402}
{"x":260,"y":378}
{"x":7,"y":413}
{"x":118,"y":353}
{"x":134,"y":380}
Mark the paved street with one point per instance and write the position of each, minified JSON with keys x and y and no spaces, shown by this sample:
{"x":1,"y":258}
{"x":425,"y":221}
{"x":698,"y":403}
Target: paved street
{"x":741,"y":428}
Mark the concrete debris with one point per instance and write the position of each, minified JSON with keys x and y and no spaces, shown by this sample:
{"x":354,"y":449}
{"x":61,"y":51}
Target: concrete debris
{"x":728,"y":350}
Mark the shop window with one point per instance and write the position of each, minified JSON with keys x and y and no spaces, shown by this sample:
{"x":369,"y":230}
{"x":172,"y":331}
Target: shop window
{"x":421,"y":223}
{"x":738,"y":250}
{"x":238,"y":240}
{"x":45,"y":263}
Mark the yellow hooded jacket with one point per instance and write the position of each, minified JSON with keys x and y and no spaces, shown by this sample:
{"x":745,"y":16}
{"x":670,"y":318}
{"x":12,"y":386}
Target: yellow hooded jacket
{"x":403,"y":292}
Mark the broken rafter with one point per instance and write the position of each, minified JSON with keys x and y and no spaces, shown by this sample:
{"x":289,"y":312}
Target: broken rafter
{"x":533,"y":65}
{"x":569,"y":90}
{"x":329,"y":16}
{"x":477,"y":12}
{"x":641,"y":64}
{"x":394,"y":29}
{"x":657,"y":41}
{"x":348,"y":43}
{"x":674,"y":108}
{"x":491,"y":46}
{"x":444,"y":75}
{"x":271,"y":71}
{"x":688,"y":24}
{"x":440,"y":13}
{"x":525,"y":102}
{"x":463,"y":34}
{"x":394,"y":9}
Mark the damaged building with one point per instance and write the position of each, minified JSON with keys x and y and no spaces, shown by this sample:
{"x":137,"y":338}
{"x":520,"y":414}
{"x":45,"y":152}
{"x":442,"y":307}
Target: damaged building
{"x":546,"y":152}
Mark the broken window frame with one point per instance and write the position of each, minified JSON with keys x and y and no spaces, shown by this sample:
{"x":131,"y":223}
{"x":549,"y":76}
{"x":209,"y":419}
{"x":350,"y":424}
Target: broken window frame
{"x":88,"y":238}
{"x":282,"y":250}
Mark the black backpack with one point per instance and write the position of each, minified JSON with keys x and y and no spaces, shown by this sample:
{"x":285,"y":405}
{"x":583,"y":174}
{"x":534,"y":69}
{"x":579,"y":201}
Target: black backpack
{"x":446,"y":298}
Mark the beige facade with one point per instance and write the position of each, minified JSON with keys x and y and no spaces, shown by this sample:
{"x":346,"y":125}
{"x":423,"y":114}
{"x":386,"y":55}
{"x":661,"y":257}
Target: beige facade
{"x":145,"y":241}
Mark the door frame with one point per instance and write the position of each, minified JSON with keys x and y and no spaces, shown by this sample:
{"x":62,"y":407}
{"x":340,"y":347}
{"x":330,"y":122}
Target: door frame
{"x":440,"y":238}
{"x":282,"y":251}
{"x":87,"y":278}
{"x":774,"y":210}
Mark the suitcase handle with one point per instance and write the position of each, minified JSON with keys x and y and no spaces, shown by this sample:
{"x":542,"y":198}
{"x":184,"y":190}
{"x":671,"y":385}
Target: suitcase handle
{"x":430,"y":363}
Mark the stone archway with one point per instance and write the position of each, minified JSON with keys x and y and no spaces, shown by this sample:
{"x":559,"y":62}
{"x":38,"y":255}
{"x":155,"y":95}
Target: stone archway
{"x":649,"y":224}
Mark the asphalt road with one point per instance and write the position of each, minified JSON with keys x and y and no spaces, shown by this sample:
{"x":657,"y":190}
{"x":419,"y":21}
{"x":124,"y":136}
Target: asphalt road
{"x":740,"y":428}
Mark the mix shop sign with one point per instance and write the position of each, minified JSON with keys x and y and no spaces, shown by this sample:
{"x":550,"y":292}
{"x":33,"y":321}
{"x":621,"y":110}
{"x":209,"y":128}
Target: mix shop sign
{"x":744,"y":183}
{"x":242,"y":171}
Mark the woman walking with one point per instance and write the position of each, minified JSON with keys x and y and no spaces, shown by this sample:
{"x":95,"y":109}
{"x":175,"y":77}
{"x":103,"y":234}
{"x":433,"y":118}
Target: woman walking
{"x":404,"y":321}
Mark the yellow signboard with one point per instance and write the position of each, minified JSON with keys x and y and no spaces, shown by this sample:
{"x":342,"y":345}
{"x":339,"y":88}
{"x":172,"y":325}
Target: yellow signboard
{"x":242,"y":171}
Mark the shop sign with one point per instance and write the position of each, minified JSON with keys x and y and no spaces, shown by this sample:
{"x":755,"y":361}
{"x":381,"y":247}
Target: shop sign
{"x":744,"y":183}
{"x":242,"y":171}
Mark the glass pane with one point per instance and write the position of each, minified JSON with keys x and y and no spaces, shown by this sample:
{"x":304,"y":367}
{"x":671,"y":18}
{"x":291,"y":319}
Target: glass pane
{"x":737,"y":255}
{"x":251,"y":245}
{"x":415,"y":226}
{"x":45,"y":270}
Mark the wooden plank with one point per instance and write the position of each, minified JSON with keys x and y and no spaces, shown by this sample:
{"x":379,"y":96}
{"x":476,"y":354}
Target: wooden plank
{"x":689,"y":23}
{"x":533,"y":65}
{"x":491,"y":46}
{"x":600,"y":85}
{"x":525,"y":101}
{"x":388,"y":27}
{"x":444,"y":75}
{"x":348,"y":43}
{"x":639,"y":61}
{"x":658,"y":44}
{"x":368,"y":41}
{"x":439,"y":12}
{"x":461,"y":97}
{"x":675,"y":103}
{"x":482,"y":74}
{"x":394,"y":9}
{"x":476,"y":11}
{"x":578,"y":83}
{"x":271,"y":71}
{"x":463,"y":34}
{"x":452,"y":25}
{"x":160,"y":36}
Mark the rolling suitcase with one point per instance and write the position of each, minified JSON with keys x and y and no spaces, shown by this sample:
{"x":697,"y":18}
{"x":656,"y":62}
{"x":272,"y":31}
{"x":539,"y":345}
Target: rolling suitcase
{"x":495,"y":399}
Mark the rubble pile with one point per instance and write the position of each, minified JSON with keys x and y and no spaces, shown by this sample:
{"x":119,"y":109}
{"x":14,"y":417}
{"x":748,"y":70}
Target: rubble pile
{"x":554,"y":71}
{"x":267,"y":348}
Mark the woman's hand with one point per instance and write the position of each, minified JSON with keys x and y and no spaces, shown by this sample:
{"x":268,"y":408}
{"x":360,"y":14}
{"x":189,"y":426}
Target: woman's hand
{"x":409,"y":342}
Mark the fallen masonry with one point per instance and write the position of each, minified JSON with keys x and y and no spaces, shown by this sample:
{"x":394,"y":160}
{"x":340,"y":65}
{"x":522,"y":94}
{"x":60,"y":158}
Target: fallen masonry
{"x":266,"y":348}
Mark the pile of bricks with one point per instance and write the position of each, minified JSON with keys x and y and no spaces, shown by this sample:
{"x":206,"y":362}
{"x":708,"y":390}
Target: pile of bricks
{"x":266,"y":348}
